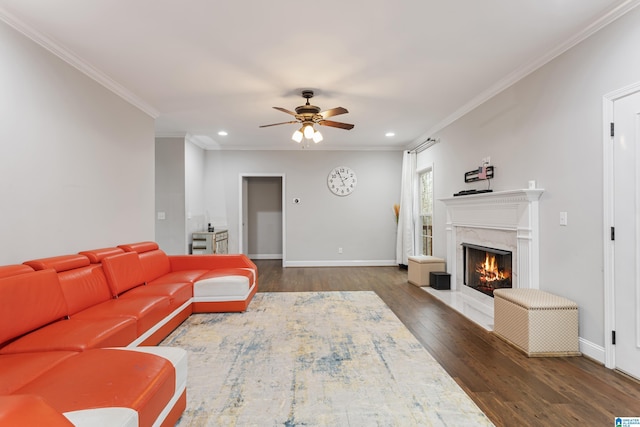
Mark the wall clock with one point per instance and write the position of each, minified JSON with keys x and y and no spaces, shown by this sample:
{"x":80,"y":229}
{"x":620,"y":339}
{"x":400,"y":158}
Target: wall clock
{"x":342,"y":181}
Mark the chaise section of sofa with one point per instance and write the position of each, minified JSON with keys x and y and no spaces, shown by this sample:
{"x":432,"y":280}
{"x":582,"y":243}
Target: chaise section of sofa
{"x":99,"y":387}
{"x":221,"y":283}
{"x":82,"y":385}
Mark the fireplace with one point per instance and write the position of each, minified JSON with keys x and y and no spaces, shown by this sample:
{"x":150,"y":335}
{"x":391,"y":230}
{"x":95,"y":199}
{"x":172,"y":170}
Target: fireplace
{"x":486,"y":269}
{"x":506,"y":220}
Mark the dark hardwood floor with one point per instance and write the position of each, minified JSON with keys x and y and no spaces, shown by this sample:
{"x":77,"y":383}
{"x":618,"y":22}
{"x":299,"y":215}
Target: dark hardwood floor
{"x":512,"y":389}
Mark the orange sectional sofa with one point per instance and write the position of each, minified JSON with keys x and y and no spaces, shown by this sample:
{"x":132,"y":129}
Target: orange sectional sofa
{"x":76,"y":332}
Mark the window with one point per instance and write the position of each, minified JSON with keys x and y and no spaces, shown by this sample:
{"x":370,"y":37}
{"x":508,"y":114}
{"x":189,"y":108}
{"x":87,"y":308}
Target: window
{"x":426,"y":212}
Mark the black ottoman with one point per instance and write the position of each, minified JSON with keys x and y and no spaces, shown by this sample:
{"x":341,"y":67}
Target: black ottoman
{"x":440,"y":280}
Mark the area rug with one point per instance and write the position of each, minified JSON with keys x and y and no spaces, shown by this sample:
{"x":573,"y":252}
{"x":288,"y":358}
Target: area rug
{"x":315,"y":359}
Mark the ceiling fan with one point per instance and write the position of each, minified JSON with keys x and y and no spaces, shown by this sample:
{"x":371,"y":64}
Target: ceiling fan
{"x":309,"y":115}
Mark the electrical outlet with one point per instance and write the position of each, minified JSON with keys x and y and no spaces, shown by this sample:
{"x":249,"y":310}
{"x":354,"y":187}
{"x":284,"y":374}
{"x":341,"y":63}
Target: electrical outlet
{"x":486,"y":161}
{"x":339,"y":250}
{"x":162,"y":215}
{"x":563,"y":218}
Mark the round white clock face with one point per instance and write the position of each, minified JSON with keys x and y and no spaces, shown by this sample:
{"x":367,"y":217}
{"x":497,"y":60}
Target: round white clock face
{"x":342,"y":181}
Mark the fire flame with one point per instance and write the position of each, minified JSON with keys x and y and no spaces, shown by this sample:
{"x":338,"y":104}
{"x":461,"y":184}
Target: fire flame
{"x":489,"y":271}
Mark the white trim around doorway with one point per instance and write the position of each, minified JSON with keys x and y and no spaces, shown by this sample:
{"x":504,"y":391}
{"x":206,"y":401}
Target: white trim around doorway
{"x":608,"y":101}
{"x":242,"y":177}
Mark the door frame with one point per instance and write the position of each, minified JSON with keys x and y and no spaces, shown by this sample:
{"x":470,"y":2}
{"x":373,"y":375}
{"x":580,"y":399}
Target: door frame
{"x":608,"y":102}
{"x":242,"y":209}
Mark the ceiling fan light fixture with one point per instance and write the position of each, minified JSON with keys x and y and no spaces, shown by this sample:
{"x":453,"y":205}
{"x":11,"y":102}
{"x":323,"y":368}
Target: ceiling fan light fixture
{"x":308,"y":115}
{"x":297,"y":136}
{"x":308,"y":131}
{"x":317,"y":137}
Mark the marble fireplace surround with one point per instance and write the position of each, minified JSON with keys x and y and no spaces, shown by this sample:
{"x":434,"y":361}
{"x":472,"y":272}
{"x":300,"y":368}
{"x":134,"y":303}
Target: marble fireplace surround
{"x":506,"y":220}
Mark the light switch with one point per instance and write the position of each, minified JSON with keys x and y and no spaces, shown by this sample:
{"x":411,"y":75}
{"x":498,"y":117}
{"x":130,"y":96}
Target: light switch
{"x":563,"y":218}
{"x":162,"y":215}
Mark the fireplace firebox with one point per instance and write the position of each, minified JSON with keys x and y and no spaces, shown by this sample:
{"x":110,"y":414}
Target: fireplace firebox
{"x":486,"y":269}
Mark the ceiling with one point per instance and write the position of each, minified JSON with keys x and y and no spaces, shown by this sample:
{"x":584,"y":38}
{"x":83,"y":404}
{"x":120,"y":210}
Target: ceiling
{"x":409,"y":67}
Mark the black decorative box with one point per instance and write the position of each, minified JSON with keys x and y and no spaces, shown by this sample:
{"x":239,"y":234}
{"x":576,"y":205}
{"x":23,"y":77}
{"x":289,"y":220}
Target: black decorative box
{"x":440,"y":280}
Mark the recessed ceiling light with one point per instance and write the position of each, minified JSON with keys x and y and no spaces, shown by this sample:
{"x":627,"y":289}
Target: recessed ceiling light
{"x":390,"y":134}
{"x":223,"y":133}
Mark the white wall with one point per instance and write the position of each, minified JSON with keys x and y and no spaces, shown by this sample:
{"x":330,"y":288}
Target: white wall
{"x":179,"y":192}
{"x":548,"y":127}
{"x":171,"y":232}
{"x":76,"y":161}
{"x":361,"y":223}
{"x":194,"y":189}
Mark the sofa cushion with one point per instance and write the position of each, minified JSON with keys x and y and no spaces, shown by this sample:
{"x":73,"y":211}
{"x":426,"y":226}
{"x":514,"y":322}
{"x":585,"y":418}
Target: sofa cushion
{"x":77,"y":335}
{"x":16,"y":370}
{"x":29,"y":301}
{"x":84,"y":287}
{"x":123,"y":272}
{"x":184,"y":276}
{"x":177,"y":356}
{"x":59,"y":263}
{"x":97,"y":255}
{"x":108,"y":378}
{"x":178,"y":293}
{"x":155,"y":264}
{"x":14,"y":270}
{"x":30,"y":410}
{"x":146,"y":310}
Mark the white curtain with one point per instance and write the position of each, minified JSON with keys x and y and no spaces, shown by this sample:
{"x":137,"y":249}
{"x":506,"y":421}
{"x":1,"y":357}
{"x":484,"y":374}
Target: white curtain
{"x":405,"y":241}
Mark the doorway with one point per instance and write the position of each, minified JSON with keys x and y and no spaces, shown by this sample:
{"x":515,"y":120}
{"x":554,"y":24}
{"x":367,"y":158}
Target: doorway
{"x":622,"y":233}
{"x":262,"y":230}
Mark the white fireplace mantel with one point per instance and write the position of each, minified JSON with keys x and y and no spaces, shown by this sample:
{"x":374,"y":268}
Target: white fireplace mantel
{"x":513,"y":211}
{"x":505,"y":220}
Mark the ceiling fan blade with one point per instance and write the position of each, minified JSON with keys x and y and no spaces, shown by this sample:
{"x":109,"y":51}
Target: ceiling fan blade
{"x":333,"y":124}
{"x":333,"y":112}
{"x":284,"y":110}
{"x":276,"y":124}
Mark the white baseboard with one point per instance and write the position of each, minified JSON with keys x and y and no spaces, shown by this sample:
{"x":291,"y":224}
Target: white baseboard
{"x":591,"y":350}
{"x":350,"y":263}
{"x":265,"y":256}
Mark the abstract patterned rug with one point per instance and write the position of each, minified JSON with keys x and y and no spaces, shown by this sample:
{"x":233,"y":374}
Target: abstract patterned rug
{"x":315,"y":359}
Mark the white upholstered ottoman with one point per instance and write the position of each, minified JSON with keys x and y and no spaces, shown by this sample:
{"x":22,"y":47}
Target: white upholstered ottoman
{"x":421,"y":265}
{"x":536,"y":322}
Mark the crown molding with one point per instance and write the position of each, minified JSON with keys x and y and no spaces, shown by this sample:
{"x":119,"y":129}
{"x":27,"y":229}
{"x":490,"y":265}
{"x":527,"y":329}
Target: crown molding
{"x":314,"y":147}
{"x":610,"y":16}
{"x":77,"y":62}
{"x":203,"y":141}
{"x":207,"y":143}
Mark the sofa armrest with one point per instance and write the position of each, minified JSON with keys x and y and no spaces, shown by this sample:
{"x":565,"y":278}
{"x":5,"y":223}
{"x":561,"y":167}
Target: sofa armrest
{"x":210,"y":262}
